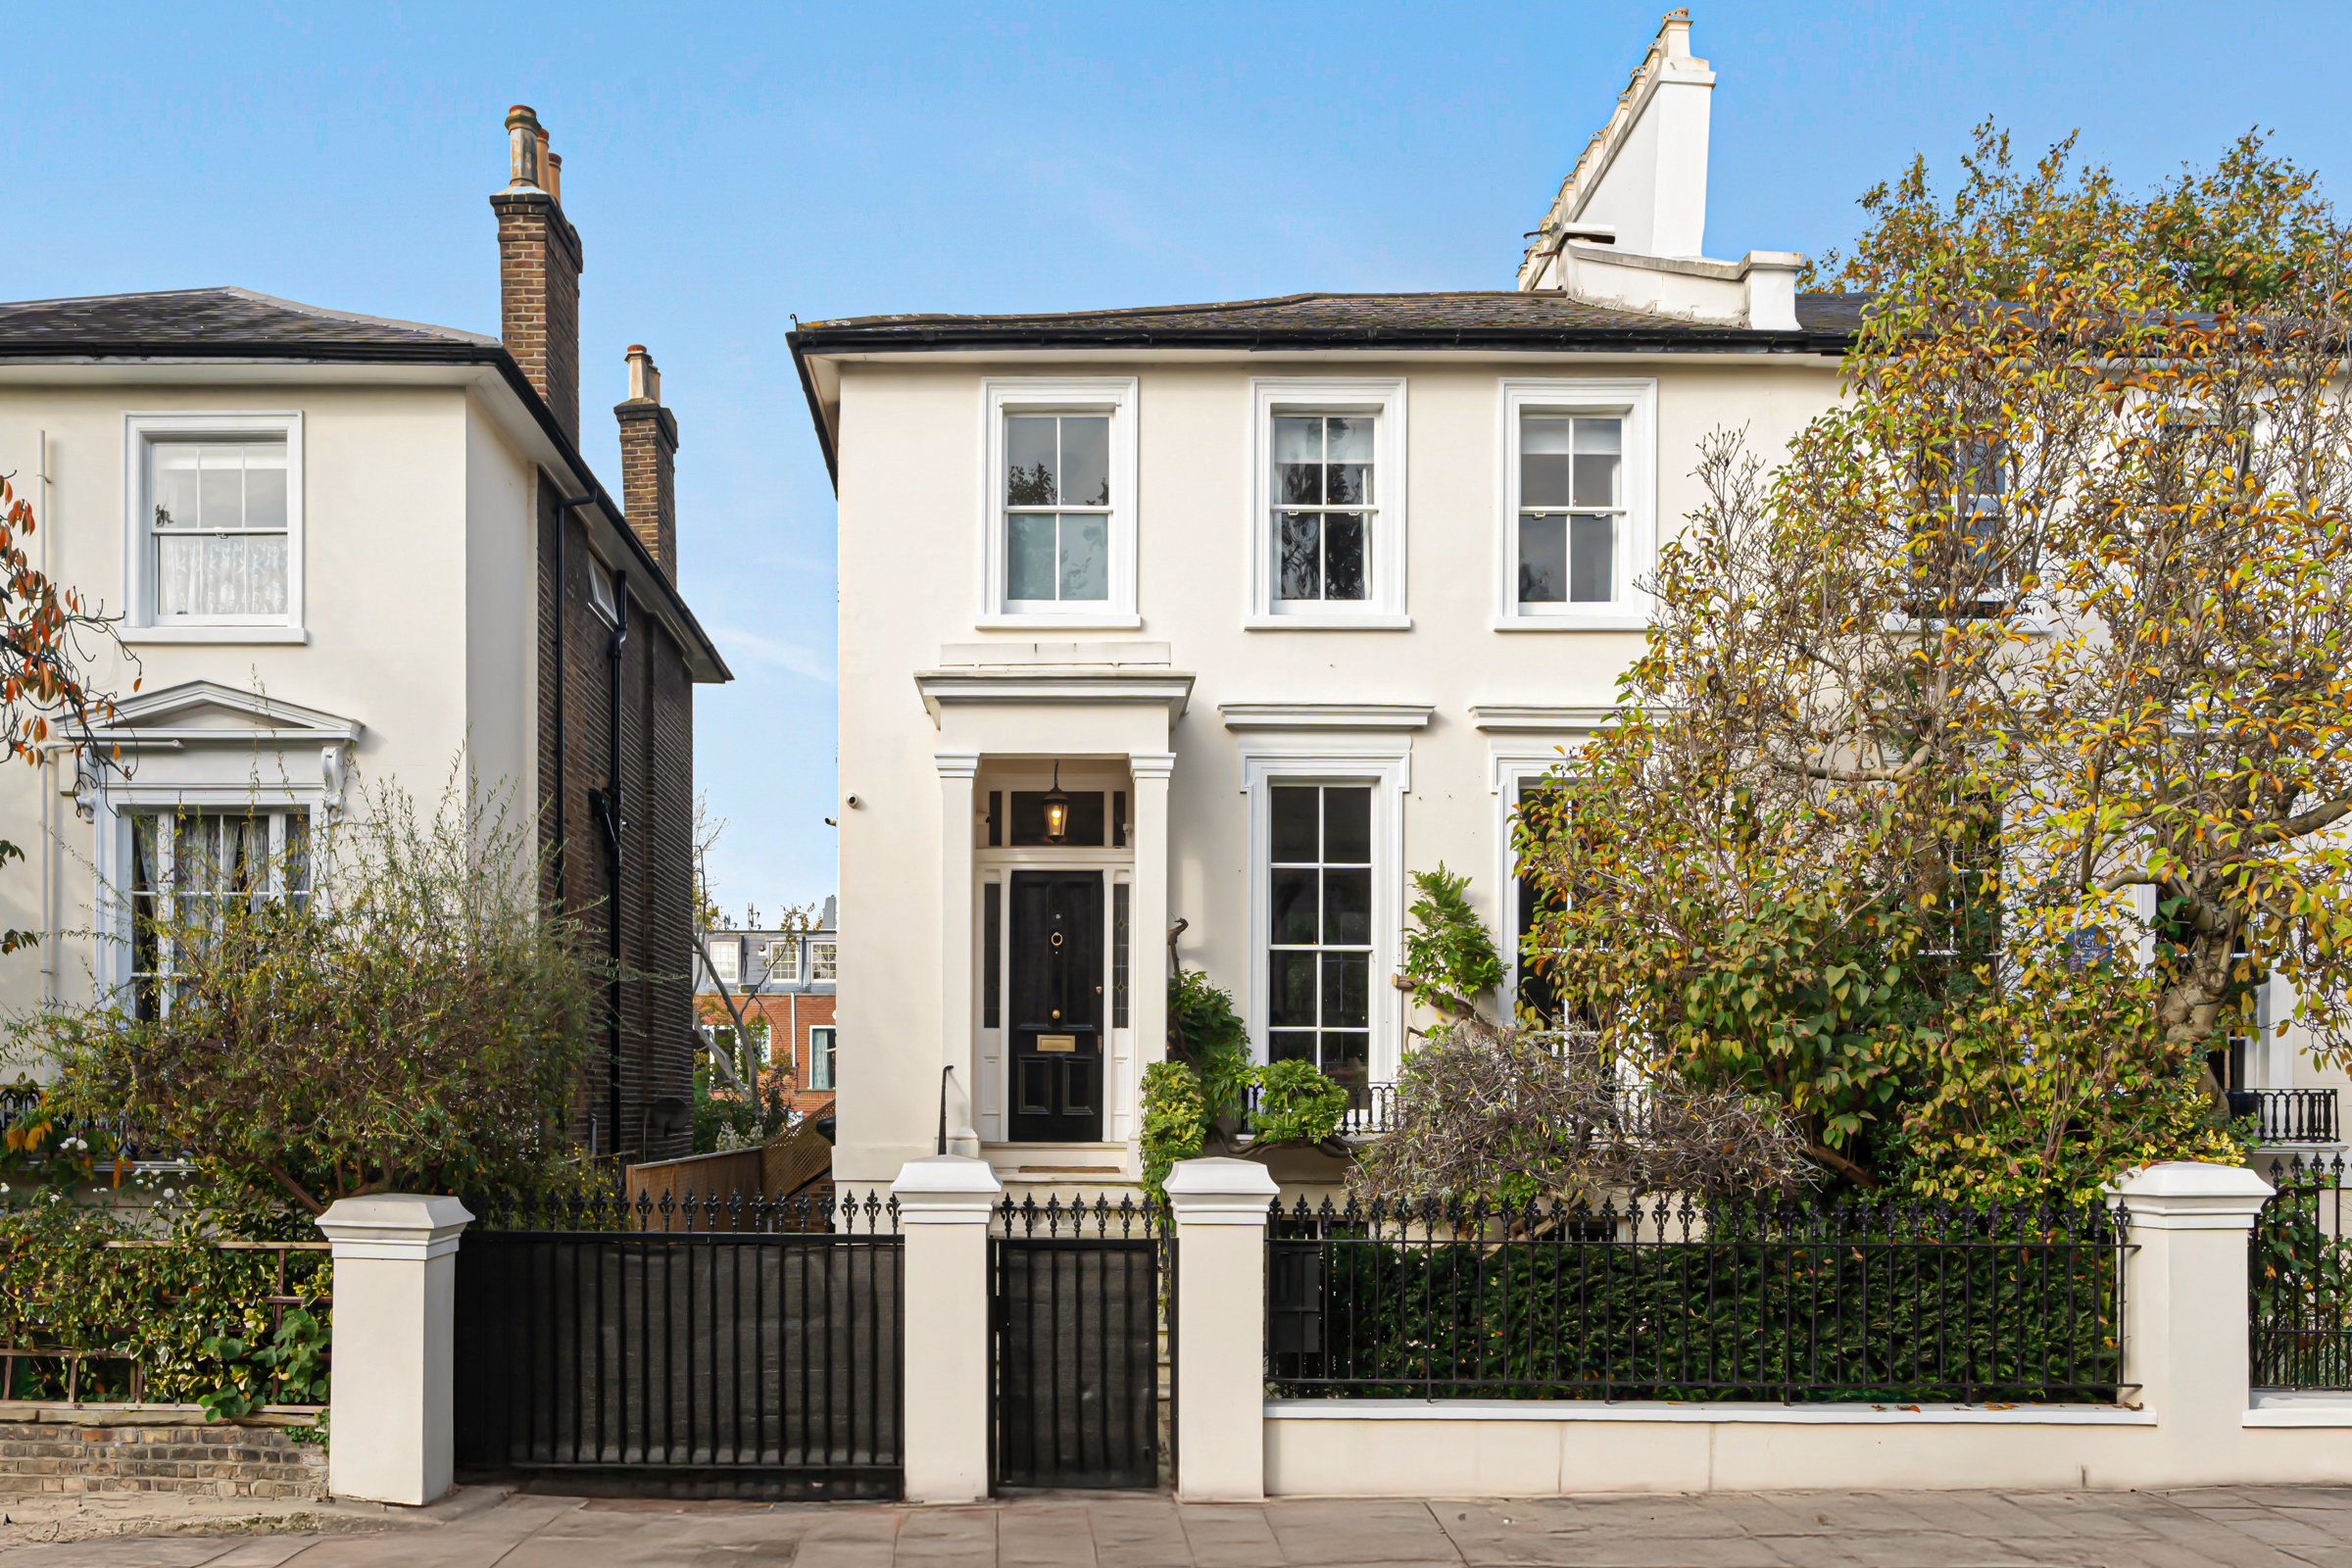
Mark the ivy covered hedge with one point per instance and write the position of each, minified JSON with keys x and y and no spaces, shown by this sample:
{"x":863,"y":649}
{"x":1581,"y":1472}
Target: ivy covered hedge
{"x":163,"y":1294}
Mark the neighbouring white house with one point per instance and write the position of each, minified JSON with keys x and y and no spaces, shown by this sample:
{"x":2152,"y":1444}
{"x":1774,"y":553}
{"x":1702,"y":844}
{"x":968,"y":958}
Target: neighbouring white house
{"x":1266,"y":603}
{"x":350,"y":552}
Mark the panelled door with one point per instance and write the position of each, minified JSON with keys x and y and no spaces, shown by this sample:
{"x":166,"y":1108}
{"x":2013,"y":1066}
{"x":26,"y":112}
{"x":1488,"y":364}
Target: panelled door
{"x":1056,"y":1006}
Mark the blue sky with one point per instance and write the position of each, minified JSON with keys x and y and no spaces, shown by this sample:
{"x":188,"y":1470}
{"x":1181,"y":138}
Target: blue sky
{"x":728,"y":164}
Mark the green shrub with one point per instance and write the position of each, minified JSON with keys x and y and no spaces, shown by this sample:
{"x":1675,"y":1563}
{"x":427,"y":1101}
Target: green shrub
{"x":1296,"y":1103}
{"x":1175,"y":1121}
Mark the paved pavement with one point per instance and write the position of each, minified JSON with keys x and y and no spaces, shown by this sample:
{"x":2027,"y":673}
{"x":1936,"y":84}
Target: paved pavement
{"x":2251,"y":1527}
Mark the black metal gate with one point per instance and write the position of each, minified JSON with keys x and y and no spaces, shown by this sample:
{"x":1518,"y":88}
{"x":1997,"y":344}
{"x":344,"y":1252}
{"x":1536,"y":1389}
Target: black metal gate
{"x":756,"y":1353}
{"x":1075,"y":1307}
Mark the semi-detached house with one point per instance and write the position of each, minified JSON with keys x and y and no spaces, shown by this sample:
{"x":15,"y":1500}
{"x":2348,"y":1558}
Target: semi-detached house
{"x":348,"y":552}
{"x":1266,"y":603}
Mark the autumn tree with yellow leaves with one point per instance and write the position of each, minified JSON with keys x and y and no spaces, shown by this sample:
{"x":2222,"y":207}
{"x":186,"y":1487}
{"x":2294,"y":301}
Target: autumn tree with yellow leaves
{"x":1993,"y":740}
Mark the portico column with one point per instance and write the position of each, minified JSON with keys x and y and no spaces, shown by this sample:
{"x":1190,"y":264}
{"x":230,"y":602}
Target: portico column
{"x":958,"y":1040}
{"x":1150,"y":960}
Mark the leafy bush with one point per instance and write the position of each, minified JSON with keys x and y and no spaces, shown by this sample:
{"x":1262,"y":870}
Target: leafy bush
{"x":191,"y":1312}
{"x":1296,"y":1103}
{"x":1450,"y":960}
{"x":421,"y":1028}
{"x":1175,"y":1121}
{"x":1208,"y":1036}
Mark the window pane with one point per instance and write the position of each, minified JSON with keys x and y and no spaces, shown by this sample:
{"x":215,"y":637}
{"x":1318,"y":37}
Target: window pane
{"x":1346,"y":1058}
{"x":1342,"y":557}
{"x":176,"y":492}
{"x":1345,"y":990}
{"x":1543,"y":560}
{"x":1347,"y":907}
{"x":1349,"y":438}
{"x":1292,"y":981}
{"x":179,"y":566}
{"x":821,"y":960}
{"x":1029,"y":556}
{"x":1294,"y":809}
{"x":1347,"y":826}
{"x":1086,"y":459}
{"x":266,"y":574}
{"x":1543,"y":459}
{"x":1121,"y":899}
{"x":992,"y":955}
{"x":223,"y":486}
{"x":1301,"y":567}
{"x":1592,"y":568}
{"x":1597,"y":444}
{"x":265,"y":485}
{"x":1348,"y":484}
{"x":1295,"y":1046}
{"x":223,"y":591}
{"x":1029,"y":460}
{"x":1085,"y":556}
{"x":1294,"y":906}
{"x":1299,"y":460}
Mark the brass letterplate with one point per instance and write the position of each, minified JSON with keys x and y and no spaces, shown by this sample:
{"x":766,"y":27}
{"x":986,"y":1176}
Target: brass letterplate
{"x":1057,"y":1042}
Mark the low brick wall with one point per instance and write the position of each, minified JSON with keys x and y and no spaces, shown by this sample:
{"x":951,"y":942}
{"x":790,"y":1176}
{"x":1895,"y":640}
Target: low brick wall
{"x":157,"y":1448}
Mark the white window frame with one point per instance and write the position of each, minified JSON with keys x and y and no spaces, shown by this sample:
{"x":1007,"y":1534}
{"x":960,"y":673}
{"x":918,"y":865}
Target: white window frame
{"x":1633,"y":400}
{"x":833,"y":1033}
{"x":1385,"y":762}
{"x":141,"y":432}
{"x":1382,"y":607}
{"x":732,"y":976}
{"x":1117,"y":396}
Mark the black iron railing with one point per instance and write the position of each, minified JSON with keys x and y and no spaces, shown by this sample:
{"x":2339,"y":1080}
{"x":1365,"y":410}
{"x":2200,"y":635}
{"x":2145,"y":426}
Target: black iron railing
{"x":2299,"y":1276}
{"x":1688,"y":1301}
{"x":748,"y":1346}
{"x":2288,"y":1116}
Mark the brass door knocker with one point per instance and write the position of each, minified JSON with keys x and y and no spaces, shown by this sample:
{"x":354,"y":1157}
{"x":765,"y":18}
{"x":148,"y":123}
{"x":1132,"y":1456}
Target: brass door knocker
{"x":1056,"y":939}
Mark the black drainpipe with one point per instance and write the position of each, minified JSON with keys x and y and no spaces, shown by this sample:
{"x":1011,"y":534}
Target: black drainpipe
{"x":608,"y":803}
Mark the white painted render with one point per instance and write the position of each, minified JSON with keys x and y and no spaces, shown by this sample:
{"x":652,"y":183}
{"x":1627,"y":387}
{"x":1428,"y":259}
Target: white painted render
{"x":417,"y":627}
{"x":1447,"y":706}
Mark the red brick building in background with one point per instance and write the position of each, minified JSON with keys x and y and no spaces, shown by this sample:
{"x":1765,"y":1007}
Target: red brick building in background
{"x":782,"y":980}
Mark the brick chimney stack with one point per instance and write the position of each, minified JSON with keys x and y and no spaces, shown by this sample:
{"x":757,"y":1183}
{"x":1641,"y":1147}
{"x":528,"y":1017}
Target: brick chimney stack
{"x":539,"y":270}
{"x":649,"y":450}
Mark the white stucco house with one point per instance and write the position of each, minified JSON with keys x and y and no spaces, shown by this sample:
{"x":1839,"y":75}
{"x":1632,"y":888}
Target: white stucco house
{"x":344,"y":552}
{"x":1288,"y":598}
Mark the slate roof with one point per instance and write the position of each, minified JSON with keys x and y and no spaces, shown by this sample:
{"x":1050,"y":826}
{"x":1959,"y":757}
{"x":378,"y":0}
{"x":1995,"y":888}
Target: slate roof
{"x":223,"y":321}
{"x":1465,"y":318}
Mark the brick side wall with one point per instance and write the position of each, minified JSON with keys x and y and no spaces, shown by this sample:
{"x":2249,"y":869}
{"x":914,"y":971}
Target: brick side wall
{"x":539,"y":264}
{"x":206,"y":1460}
{"x":653,"y":903}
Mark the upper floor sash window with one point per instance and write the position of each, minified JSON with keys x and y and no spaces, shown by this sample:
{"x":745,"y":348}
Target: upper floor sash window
{"x":1060,"y":515}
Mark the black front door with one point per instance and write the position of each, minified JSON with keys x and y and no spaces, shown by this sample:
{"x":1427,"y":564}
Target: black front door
{"x":1056,"y":1006}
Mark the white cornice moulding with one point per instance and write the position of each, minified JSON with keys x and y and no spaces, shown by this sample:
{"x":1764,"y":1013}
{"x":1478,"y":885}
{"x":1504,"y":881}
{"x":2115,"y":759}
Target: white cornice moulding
{"x":1038,"y":685}
{"x":1326,"y":716}
{"x":1521,"y":719}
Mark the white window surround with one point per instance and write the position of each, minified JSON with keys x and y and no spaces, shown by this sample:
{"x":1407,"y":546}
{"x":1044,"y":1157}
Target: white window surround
{"x":1384,"y":761}
{"x":1117,"y":396}
{"x":140,"y":432}
{"x":1384,"y":607}
{"x":1633,"y":400}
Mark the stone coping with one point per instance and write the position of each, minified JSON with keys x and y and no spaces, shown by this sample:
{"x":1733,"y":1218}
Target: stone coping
{"x":31,"y":1412}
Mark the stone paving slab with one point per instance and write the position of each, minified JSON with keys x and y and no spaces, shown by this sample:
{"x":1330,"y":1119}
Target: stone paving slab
{"x":2231,"y":1527}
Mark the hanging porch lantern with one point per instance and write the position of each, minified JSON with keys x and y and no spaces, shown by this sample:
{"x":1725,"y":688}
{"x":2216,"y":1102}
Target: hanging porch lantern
{"x":1057,"y":810}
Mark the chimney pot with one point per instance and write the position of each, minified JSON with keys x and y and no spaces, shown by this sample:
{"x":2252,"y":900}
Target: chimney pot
{"x":524,"y":139}
{"x":555,"y":176}
{"x":645,"y":377}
